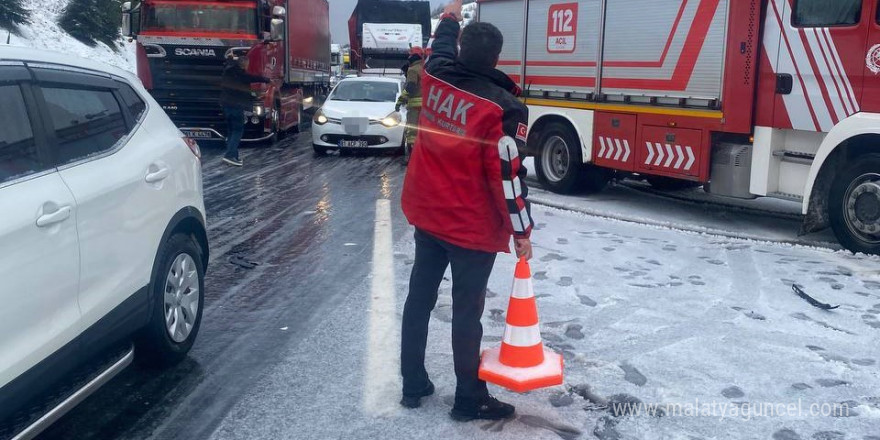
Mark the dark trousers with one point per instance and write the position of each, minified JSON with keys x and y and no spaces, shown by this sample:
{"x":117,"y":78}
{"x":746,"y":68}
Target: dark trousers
{"x":235,"y":129}
{"x":470,"y":275}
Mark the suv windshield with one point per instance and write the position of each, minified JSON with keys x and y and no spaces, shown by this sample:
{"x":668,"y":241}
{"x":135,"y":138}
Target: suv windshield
{"x":371,"y":91}
{"x":208,"y":17}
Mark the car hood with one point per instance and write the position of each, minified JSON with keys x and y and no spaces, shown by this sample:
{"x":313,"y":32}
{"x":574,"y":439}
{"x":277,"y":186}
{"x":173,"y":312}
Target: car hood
{"x":349,"y":109}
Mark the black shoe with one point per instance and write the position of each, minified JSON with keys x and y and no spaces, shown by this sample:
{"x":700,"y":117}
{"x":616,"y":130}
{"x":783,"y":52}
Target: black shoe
{"x":415,"y":400}
{"x":489,"y":409}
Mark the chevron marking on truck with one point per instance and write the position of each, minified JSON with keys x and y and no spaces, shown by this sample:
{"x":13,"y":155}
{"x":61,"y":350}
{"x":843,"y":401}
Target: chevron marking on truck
{"x":674,"y":154}
{"x":680,"y":157}
{"x":613,"y":149}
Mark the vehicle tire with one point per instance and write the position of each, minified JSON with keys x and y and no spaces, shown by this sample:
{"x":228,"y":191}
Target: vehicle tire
{"x":854,"y":205}
{"x":559,"y":163}
{"x":319,"y":150}
{"x":177,"y":287}
{"x":669,"y":184}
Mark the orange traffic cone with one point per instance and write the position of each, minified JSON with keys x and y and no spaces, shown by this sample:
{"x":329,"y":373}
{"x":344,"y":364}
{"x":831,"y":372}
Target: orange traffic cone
{"x":521,"y":363}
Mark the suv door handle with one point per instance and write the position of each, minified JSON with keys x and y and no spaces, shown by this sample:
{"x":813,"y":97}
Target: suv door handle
{"x":156,"y":174}
{"x":63,"y":213}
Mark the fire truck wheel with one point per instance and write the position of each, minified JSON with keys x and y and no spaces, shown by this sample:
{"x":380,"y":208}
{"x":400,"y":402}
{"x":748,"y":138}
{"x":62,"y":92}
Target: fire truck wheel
{"x":560,"y":166}
{"x":670,"y":184}
{"x":854,"y":205}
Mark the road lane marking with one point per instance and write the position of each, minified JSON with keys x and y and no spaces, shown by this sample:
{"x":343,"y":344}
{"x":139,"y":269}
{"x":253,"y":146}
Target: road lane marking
{"x":382,"y":382}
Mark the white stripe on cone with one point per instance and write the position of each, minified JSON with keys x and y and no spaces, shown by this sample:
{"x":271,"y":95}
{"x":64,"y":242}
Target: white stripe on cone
{"x":522,"y":288}
{"x":522,"y":336}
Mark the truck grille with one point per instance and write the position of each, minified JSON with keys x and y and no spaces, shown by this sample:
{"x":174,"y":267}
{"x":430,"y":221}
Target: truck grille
{"x":189,"y":90}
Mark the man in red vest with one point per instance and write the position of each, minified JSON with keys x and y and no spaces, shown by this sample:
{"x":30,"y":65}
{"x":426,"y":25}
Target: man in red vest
{"x":465,"y":195}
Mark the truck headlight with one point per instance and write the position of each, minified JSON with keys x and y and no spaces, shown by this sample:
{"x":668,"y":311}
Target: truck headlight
{"x":259,"y":110}
{"x":319,"y":118}
{"x":392,"y":120}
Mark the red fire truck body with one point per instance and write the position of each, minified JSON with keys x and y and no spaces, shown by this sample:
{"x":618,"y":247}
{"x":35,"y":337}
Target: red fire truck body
{"x":181,"y":50}
{"x":748,"y":97}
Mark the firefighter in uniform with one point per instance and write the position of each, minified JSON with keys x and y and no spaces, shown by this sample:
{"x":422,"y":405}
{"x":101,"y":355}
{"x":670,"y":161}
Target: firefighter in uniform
{"x":464,"y":193}
{"x":412,"y":99}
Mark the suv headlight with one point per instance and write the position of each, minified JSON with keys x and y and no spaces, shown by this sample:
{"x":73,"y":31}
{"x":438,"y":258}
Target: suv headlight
{"x":392,"y":120}
{"x":319,"y":118}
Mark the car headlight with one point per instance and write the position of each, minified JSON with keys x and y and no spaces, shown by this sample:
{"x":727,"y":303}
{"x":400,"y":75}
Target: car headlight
{"x":392,"y":120}
{"x":319,"y":118}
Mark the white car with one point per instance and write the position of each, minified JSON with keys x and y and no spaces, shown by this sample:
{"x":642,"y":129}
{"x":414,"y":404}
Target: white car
{"x":359,"y":115}
{"x":103,"y":245}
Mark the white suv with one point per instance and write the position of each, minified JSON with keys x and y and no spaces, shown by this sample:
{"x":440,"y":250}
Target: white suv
{"x":102,"y":233}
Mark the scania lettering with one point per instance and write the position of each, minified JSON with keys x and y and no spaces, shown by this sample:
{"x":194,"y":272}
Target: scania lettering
{"x":182,"y":46}
{"x":749,"y":98}
{"x":194,"y":52}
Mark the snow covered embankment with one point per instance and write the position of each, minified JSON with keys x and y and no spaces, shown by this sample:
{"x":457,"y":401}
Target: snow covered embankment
{"x":44,"y":33}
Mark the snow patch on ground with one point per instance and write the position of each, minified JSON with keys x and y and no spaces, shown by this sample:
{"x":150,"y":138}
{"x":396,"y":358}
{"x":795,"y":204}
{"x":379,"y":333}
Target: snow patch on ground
{"x":642,"y":316}
{"x":44,"y":33}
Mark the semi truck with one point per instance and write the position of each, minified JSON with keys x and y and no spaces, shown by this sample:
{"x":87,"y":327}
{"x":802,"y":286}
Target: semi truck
{"x":381,"y":32}
{"x":182,"y":45}
{"x":749,"y":98}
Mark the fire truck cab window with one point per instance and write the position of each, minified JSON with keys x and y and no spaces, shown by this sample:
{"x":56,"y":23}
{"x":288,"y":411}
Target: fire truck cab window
{"x":236,"y":19}
{"x":820,"y":13}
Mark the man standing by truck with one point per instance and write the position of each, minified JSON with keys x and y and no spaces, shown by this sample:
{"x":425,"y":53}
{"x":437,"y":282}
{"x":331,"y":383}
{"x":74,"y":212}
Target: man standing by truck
{"x":464,"y":193}
{"x":412,"y":98}
{"x":236,"y":97}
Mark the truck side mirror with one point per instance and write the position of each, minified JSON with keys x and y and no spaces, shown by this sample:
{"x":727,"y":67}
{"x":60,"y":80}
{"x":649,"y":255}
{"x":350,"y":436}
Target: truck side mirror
{"x":126,"y":19}
{"x":277,"y":29}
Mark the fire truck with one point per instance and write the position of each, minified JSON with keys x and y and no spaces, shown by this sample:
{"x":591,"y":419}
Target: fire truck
{"x":749,"y":98}
{"x":182,"y":46}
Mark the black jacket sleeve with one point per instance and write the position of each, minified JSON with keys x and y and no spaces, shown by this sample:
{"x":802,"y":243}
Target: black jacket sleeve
{"x":444,"y":49}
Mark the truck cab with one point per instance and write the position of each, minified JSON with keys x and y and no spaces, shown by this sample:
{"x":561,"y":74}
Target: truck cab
{"x":182,"y":48}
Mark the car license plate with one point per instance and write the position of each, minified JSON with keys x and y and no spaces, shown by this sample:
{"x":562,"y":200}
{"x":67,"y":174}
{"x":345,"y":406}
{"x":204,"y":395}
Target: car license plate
{"x":198,"y":134}
{"x":353,"y":143}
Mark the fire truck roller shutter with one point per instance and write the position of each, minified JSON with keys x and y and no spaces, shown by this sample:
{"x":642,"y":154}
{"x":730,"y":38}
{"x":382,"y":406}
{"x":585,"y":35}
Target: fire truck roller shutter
{"x":652,"y":49}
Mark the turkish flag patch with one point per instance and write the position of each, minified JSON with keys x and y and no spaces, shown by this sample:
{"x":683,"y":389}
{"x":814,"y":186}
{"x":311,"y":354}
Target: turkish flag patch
{"x":521,"y":131}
